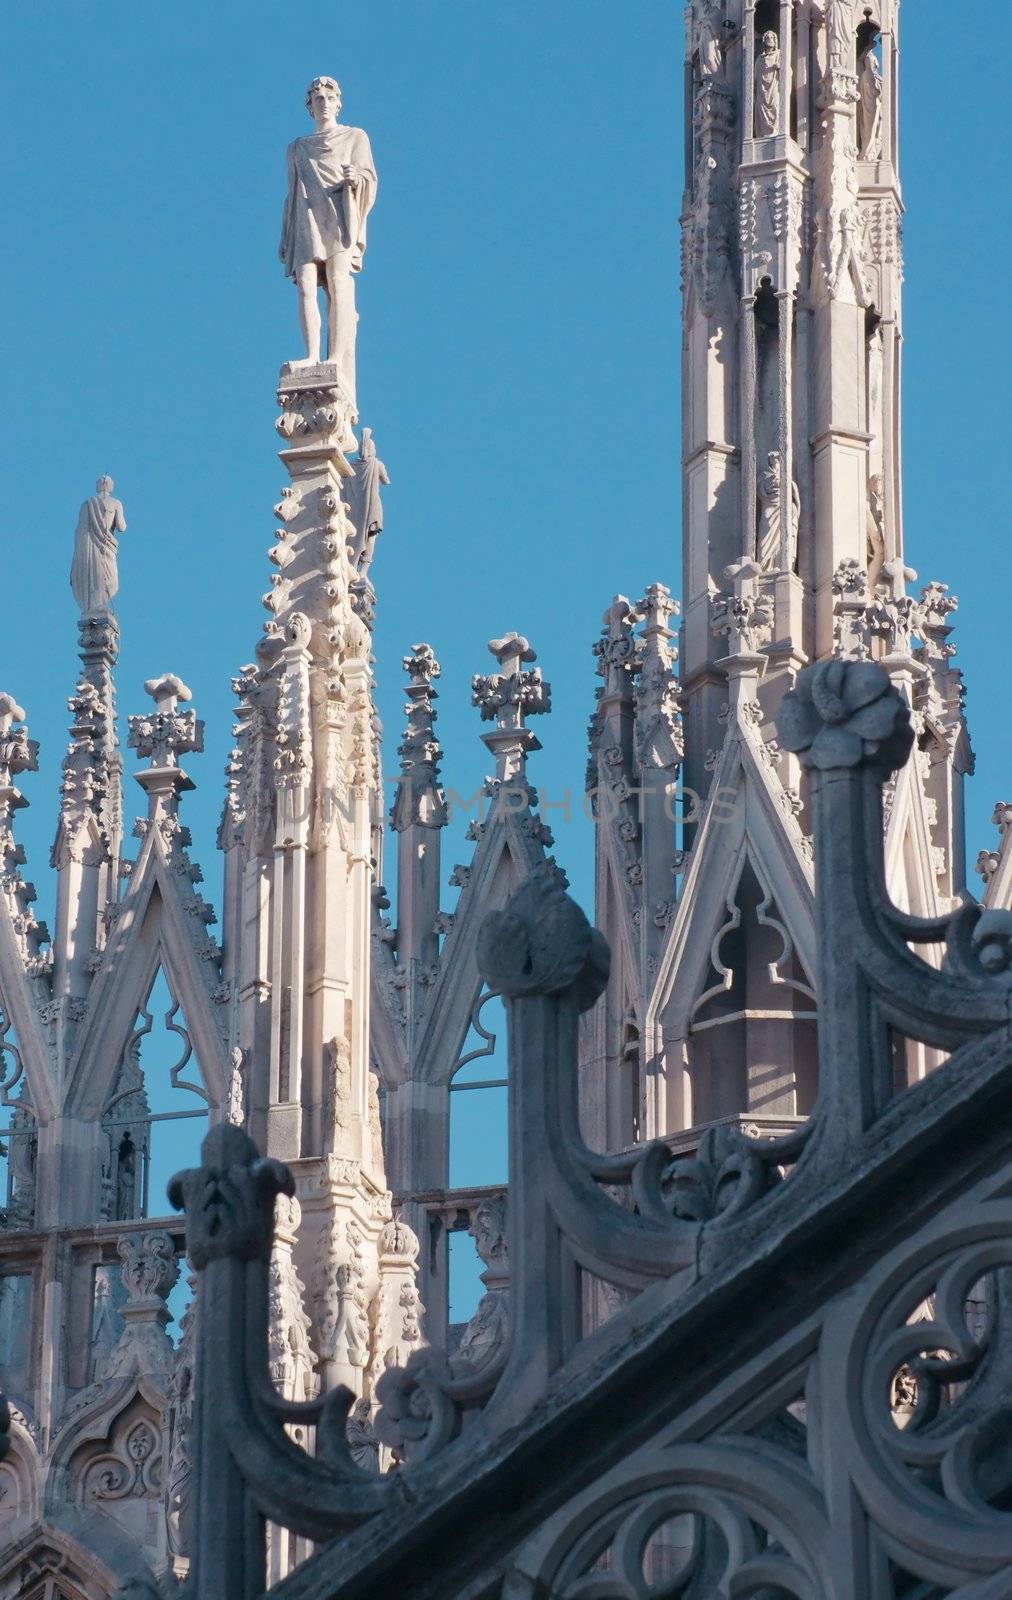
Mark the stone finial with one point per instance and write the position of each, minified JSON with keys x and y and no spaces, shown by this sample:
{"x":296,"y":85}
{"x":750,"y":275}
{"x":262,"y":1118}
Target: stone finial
{"x":656,"y":609}
{"x":149,"y":1267}
{"x":418,"y":797}
{"x":85,"y":772}
{"x":616,"y":648}
{"x":229,"y":1198}
{"x":743,"y":615}
{"x":991,"y":941}
{"x":542,"y":943}
{"x":148,"y":1272}
{"x":658,"y":730}
{"x":506,"y":697}
{"x":18,"y":753}
{"x":168,"y":733}
{"x":846,"y":714}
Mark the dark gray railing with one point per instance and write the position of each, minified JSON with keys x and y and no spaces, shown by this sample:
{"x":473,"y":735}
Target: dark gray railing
{"x":567,"y":1227}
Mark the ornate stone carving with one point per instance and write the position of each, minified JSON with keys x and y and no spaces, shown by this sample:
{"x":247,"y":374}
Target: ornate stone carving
{"x":484,"y":1340}
{"x":177,"y":1420}
{"x":419,"y":798}
{"x":616,"y":649}
{"x":745,"y":616}
{"x":229,"y":1199}
{"x":542,"y":942}
{"x":708,"y":227}
{"x":169,"y":733}
{"x":839,"y":221}
{"x":292,"y":1361}
{"x":148,"y":1272}
{"x":846,"y":714}
{"x":658,"y":729}
{"x":235,"y":1110}
{"x":342,"y":1303}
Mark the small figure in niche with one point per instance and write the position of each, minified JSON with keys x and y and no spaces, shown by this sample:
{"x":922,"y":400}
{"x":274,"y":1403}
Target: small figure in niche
{"x":126,"y":1179}
{"x":771,"y":498}
{"x":767,"y":87}
{"x":869,"y":110}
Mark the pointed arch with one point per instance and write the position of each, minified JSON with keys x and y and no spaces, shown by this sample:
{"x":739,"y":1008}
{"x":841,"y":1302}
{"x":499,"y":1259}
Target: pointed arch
{"x":56,"y":1561}
{"x":20,"y":999}
{"x":747,"y":830}
{"x":152,"y":930}
{"x":505,"y":855}
{"x":909,"y":852}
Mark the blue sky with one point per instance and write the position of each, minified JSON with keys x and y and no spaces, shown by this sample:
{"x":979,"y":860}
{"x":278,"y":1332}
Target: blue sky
{"x":518,"y":354}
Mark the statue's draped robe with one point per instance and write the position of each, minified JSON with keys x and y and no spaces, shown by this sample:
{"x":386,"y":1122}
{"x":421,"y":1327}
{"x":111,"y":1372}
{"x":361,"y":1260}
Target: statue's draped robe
{"x":362,"y":494}
{"x":767,"y":95}
{"x":93,"y":575}
{"x":323,"y":217}
{"x":709,"y":45}
{"x":869,"y":111}
{"x":771,"y":522}
{"x":841,"y":31}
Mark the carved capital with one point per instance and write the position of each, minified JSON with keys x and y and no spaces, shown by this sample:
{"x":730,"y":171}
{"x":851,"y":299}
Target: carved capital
{"x":229,"y":1198}
{"x":846,"y":714}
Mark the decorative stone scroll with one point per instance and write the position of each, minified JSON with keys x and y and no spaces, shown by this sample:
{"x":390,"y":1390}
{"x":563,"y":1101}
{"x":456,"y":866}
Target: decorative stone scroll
{"x":243,"y":1459}
{"x":738,"y":1197}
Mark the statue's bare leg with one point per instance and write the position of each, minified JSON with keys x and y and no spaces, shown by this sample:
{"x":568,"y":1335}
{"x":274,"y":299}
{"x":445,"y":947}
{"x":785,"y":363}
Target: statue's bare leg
{"x":309,"y":311}
{"x":342,"y":318}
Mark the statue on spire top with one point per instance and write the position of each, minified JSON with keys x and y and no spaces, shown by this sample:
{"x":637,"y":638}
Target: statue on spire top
{"x":331,"y":190}
{"x":93,"y":575}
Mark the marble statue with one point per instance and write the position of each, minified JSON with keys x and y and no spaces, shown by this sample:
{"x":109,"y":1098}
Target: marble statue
{"x":840,"y":34}
{"x":331,"y":190}
{"x":771,"y":517}
{"x":708,"y":32}
{"x":869,"y":110}
{"x":767,"y":86}
{"x":362,"y":494}
{"x":876,"y":555}
{"x":126,"y":1179}
{"x":93,"y":575}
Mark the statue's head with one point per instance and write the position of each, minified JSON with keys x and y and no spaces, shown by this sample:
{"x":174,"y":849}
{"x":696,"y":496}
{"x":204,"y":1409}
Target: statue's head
{"x":323,"y":99}
{"x":104,"y":484}
{"x":771,"y":42}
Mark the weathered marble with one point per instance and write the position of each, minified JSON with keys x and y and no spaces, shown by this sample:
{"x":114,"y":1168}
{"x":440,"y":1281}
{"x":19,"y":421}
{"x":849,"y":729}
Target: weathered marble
{"x":331,"y":191}
{"x":93,"y":574}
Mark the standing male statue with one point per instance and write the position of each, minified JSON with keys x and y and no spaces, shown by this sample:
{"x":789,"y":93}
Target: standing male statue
{"x":93,"y":575}
{"x":331,"y":189}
